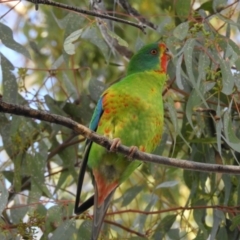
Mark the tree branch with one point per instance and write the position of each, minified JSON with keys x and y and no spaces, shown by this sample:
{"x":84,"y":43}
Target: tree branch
{"x":133,"y":12}
{"x":86,"y":12}
{"x":105,"y":142}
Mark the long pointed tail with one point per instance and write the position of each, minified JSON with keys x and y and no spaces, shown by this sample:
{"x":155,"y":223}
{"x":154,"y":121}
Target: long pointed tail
{"x":99,"y":214}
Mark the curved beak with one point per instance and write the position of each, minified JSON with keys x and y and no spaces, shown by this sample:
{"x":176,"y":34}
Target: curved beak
{"x":169,"y":54}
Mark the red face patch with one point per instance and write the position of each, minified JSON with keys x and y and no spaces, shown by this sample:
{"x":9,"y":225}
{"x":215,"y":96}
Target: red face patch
{"x":164,"y":57}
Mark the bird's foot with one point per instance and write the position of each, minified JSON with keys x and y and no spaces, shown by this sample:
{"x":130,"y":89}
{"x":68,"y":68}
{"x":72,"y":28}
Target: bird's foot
{"x":132,"y":150}
{"x":115,"y":144}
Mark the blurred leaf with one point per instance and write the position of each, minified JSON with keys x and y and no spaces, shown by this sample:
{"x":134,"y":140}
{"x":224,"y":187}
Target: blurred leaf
{"x":222,"y":234}
{"x":200,"y":214}
{"x":69,"y":22}
{"x":82,"y":112}
{"x":181,"y":31}
{"x":18,"y":212}
{"x":54,"y":106}
{"x":207,"y":6}
{"x":227,"y":77}
{"x":62,"y":180}
{"x":227,"y":188}
{"x":140,"y":221}
{"x":9,"y":84}
{"x":54,"y":218}
{"x":174,"y":233}
{"x":229,"y":133}
{"x":188,"y":58}
{"x":69,"y":87}
{"x":3,"y":197}
{"x":85,"y":230}
{"x":194,"y":101}
{"x":36,"y":167}
{"x":178,"y":72}
{"x":218,"y":216}
{"x":235,"y":222}
{"x":64,"y":231}
{"x":96,"y":88}
{"x":219,"y":5}
{"x":182,"y":9}
{"x":168,"y":184}
{"x":8,"y":41}
{"x":164,"y":226}
{"x":69,"y":45}
{"x":203,"y":64}
{"x":234,"y":52}
{"x":219,"y":125}
{"x":120,"y":41}
{"x":139,"y":43}
{"x":131,"y":194}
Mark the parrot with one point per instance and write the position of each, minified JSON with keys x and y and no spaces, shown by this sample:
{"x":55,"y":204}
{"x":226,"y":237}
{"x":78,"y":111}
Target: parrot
{"x":130,"y":112}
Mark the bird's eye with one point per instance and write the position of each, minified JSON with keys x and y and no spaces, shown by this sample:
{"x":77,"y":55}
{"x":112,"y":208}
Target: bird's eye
{"x":153,"y":51}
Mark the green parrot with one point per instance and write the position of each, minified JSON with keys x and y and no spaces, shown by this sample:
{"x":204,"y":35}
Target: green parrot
{"x":130,"y":112}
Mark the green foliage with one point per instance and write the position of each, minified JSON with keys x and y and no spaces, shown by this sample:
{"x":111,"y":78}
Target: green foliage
{"x":61,"y":61}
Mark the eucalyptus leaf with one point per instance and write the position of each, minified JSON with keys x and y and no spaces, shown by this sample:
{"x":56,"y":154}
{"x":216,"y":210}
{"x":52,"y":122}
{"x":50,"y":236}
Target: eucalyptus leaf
{"x":131,"y":194}
{"x":93,"y":35}
{"x":85,"y":230}
{"x":229,"y":134}
{"x":164,"y":226}
{"x":9,"y":82}
{"x":227,"y":77}
{"x":7,"y":39}
{"x":188,"y":58}
{"x":120,"y":41}
{"x":3,"y":197}
{"x":182,"y":9}
{"x":181,"y":31}
{"x":65,"y":230}
{"x":69,"y":43}
{"x":168,"y":184}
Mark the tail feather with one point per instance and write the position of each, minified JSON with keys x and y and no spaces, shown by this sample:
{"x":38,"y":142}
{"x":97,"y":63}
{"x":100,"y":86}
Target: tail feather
{"x":99,"y":214}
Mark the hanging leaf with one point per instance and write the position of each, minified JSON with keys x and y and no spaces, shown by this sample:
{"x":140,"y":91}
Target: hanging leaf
{"x":229,"y":134}
{"x":182,"y":9}
{"x":140,"y":221}
{"x":10,"y":87}
{"x":3,"y":197}
{"x":120,"y":41}
{"x":218,"y":217}
{"x":69,"y":43}
{"x":227,"y":77}
{"x":65,"y":231}
{"x":7,"y":39}
{"x":164,"y":226}
{"x":188,"y":58}
{"x":93,"y":35}
{"x":181,"y":31}
{"x":85,"y":230}
{"x":168,"y":184}
{"x":178,"y":72}
{"x":131,"y":194}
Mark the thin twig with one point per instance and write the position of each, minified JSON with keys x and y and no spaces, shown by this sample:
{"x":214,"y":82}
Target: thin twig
{"x":105,"y":142}
{"x":87,"y":12}
{"x":133,"y":12}
{"x":125,"y":228}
